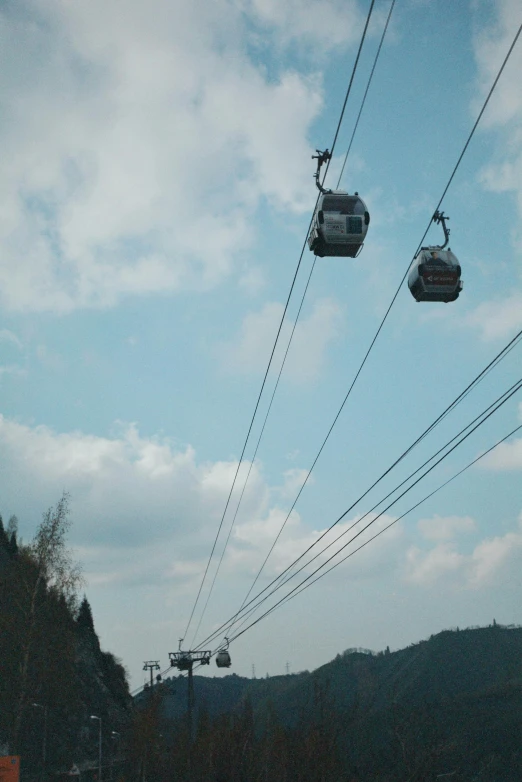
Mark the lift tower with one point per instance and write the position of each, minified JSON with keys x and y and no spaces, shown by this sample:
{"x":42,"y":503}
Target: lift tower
{"x":184,"y":661}
{"x":152,"y":665}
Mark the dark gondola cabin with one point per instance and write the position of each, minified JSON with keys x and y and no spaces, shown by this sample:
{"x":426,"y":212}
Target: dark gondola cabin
{"x":435,"y":276}
{"x":223,"y":659}
{"x":339,"y":225}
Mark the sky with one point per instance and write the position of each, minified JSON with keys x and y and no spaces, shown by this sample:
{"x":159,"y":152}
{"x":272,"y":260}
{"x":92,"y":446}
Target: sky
{"x":157,"y":185}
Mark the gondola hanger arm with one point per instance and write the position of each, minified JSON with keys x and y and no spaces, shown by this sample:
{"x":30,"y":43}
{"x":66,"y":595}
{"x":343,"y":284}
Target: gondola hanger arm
{"x":440,"y":218}
{"x":321,"y":157}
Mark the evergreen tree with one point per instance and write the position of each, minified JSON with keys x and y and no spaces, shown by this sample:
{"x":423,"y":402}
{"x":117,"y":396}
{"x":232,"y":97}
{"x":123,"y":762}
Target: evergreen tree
{"x":11,"y":533}
{"x":4,"y":539}
{"x":12,"y":544}
{"x":84,"y":619}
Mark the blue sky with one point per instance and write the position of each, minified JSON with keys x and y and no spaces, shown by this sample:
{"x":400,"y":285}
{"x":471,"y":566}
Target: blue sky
{"x":157,"y":185}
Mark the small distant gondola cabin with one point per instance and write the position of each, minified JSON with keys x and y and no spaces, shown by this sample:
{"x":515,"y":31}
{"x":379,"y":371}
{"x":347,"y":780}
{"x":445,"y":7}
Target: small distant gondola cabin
{"x":223,"y":659}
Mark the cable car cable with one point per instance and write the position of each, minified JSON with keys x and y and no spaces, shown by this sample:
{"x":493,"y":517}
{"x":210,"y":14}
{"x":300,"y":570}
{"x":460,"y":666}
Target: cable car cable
{"x":366,"y":92}
{"x":500,"y":356}
{"x":315,"y":257}
{"x":513,"y":431}
{"x":478,"y":379}
{"x":496,"y":360}
{"x":301,"y":304}
{"x":286,"y":597}
{"x":516,"y":386}
{"x":252,"y":460}
{"x":450,"y":180}
{"x":347,"y":95}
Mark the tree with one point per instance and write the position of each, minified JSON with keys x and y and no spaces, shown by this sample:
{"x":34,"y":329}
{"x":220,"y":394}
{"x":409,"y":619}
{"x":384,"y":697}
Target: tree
{"x":48,"y":570}
{"x":12,"y":532}
{"x":84,"y":619}
{"x":4,"y":539}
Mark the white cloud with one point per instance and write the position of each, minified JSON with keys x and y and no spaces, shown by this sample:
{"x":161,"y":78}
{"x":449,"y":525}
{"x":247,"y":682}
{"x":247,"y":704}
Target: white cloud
{"x":146,"y":512}
{"x":127,"y":490}
{"x":295,"y":539}
{"x":445,"y":527}
{"x":135,"y":148}
{"x":491,"y":560}
{"x":497,"y":319}
{"x":505,"y":108}
{"x":327,"y":23}
{"x":492,"y":556}
{"x":427,"y":567}
{"x":294,"y":479}
{"x":506,"y":456}
{"x":313,"y":334}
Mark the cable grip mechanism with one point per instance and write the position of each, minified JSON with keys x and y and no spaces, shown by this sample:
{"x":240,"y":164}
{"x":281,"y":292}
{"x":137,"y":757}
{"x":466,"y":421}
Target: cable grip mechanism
{"x":440,"y":218}
{"x":321,"y":157}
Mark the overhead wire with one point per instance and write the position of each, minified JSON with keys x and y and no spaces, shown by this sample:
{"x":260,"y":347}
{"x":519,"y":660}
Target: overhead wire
{"x":500,"y":356}
{"x":294,"y":327}
{"x":253,"y":458}
{"x":477,"y":380}
{"x":245,"y":443}
{"x":424,"y":499}
{"x":294,"y":590}
{"x":295,"y":323}
{"x":394,"y":298}
{"x":489,"y":367}
{"x":392,"y":6}
{"x":306,"y":583}
{"x":505,"y":351}
{"x":382,"y":322}
{"x":347,"y":95}
{"x":303,"y":585}
{"x":513,"y":389}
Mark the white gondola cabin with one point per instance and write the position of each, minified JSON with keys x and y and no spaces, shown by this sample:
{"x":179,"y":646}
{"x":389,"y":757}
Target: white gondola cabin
{"x":339,"y":225}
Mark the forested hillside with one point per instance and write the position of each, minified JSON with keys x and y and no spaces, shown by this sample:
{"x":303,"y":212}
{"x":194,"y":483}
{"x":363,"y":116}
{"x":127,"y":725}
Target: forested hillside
{"x":54,"y":675}
{"x":450,"y":704}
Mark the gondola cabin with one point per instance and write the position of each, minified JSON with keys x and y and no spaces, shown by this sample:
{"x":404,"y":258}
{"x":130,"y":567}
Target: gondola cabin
{"x":435,"y":276}
{"x":339,"y":225}
{"x":223,"y":659}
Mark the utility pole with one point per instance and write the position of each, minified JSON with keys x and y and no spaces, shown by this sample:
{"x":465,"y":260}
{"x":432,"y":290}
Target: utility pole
{"x":287,"y":666}
{"x":184,"y":661}
{"x":151,"y":665}
{"x":114,"y":736}
{"x":253,"y":671}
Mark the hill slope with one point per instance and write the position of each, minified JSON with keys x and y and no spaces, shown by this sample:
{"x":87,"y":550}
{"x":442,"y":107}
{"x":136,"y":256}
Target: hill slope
{"x":451,"y":703}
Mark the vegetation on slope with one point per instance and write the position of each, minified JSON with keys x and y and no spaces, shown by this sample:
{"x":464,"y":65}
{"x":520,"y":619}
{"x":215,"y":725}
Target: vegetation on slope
{"x":54,"y":674}
{"x":449,"y":704}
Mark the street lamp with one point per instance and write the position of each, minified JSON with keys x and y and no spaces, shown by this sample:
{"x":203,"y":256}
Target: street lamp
{"x":114,"y":736}
{"x":94,"y":717}
{"x":44,"y":739}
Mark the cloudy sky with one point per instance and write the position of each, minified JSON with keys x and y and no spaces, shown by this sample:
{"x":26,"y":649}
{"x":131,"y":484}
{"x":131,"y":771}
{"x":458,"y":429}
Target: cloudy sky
{"x":156,"y":181}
